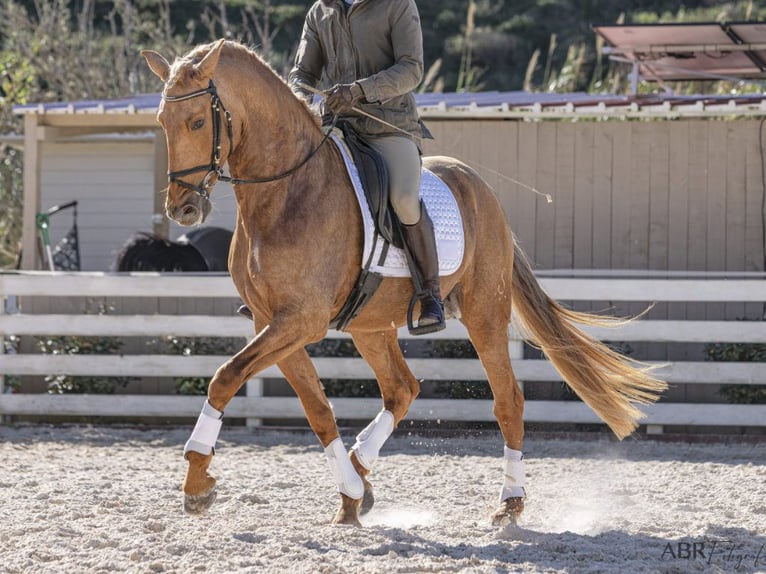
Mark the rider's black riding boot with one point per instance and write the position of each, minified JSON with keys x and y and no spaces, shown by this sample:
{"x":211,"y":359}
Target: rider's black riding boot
{"x":421,"y":247}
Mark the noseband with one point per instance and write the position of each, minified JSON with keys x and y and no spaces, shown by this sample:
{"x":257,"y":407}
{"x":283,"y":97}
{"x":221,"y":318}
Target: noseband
{"x":215,"y":167}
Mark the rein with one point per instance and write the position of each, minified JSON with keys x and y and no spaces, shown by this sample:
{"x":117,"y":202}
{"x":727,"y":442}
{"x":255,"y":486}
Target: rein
{"x":215,"y":167}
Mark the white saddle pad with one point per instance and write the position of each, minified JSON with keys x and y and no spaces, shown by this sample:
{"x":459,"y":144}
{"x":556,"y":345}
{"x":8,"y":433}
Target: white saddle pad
{"x":441,"y":206}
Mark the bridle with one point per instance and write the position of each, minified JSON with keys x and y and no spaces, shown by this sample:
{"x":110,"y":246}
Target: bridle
{"x":215,"y":167}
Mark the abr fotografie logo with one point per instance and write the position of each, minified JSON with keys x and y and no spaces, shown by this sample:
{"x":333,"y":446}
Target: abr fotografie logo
{"x":724,"y":553}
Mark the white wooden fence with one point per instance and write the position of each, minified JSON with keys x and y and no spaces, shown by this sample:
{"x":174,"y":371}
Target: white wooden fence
{"x":590,"y":286}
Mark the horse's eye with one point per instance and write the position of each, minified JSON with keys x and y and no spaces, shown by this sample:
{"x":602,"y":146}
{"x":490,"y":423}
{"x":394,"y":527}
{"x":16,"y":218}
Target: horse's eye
{"x":197,"y":124}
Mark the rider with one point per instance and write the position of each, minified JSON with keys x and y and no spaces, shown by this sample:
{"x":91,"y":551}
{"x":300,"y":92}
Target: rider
{"x":371,"y":52}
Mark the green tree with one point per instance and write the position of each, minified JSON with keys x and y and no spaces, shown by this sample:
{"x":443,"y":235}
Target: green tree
{"x":56,"y":50}
{"x":15,"y":85}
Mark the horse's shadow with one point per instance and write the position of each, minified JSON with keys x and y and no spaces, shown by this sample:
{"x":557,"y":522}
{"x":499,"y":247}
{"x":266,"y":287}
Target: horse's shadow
{"x":297,"y":441}
{"x":719,"y":548}
{"x":604,"y":447}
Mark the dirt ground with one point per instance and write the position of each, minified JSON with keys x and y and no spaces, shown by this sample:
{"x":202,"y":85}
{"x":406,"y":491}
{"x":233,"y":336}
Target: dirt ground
{"x":107,"y":499}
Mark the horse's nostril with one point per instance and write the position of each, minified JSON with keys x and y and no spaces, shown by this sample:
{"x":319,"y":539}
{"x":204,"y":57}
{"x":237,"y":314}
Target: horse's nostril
{"x":189,"y":210}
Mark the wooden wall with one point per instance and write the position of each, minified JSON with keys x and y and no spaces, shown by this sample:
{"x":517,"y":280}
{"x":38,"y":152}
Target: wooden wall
{"x":113,"y":182}
{"x":663,"y":195}
{"x":682,"y":195}
{"x":660,"y":195}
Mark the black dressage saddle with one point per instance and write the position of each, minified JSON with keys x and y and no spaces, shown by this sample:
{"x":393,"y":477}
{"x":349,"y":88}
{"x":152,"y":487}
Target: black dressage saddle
{"x":373,"y":173}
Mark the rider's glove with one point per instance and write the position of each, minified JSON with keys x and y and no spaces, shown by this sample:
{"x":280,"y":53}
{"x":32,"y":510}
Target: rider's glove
{"x":342,"y":97}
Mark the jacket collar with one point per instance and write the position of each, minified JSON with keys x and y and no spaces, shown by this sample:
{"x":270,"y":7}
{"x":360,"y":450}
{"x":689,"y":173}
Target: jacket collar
{"x":331,"y":2}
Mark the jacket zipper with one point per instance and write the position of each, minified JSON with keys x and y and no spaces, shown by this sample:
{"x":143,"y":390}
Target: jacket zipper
{"x":347,"y":23}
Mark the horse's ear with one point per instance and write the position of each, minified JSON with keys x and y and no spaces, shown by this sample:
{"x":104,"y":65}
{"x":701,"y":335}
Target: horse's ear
{"x":157,"y":63}
{"x":207,"y":66}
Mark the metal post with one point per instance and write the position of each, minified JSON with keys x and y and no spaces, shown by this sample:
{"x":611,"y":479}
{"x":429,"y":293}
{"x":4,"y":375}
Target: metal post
{"x":43,"y":222}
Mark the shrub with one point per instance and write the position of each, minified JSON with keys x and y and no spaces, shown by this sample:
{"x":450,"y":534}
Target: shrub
{"x":741,"y":352}
{"x":458,"y":349}
{"x":343,"y":387}
{"x":70,"y":345}
{"x":77,"y":345}
{"x":11,"y":346}
{"x":189,"y":346}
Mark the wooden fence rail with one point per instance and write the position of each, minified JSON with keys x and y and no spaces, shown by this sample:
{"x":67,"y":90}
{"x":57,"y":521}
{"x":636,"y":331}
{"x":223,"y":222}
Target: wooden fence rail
{"x":570,"y":286}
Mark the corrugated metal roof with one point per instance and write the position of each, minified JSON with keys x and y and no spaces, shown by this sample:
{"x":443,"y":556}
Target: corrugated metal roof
{"x":141,"y":103}
{"x":690,"y":50}
{"x":516,"y":104}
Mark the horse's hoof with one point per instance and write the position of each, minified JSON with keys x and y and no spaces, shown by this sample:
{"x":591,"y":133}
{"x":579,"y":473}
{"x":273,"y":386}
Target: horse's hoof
{"x":348,"y":513}
{"x":509,"y":511}
{"x":368,"y":500}
{"x":348,"y":518}
{"x":199,"y":503}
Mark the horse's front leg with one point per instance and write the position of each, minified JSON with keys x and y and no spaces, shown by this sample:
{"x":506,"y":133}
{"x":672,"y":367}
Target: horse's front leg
{"x":268,"y":347}
{"x":302,"y":376}
{"x":398,"y":388}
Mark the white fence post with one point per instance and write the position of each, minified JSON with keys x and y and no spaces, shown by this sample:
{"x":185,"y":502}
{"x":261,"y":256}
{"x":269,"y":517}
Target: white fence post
{"x":3,"y":300}
{"x":254,"y":388}
{"x":516,"y":352}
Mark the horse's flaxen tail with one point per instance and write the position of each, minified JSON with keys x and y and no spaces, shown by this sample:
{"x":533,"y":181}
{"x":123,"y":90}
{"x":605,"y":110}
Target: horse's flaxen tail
{"x":605,"y":380}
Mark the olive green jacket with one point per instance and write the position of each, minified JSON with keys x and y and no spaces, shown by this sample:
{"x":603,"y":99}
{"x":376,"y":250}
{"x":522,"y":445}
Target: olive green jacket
{"x":376,"y":43}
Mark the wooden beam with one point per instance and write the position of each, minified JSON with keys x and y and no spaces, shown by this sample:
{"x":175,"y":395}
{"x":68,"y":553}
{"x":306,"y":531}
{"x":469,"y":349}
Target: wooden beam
{"x":654,"y":289}
{"x":95,"y":284}
{"x":32,"y":162}
{"x":364,"y":409}
{"x":529,"y":370}
{"x":114,"y":122}
{"x":563,"y":288}
{"x":160,"y":223}
{"x":234,"y":326}
{"x":53,"y":133}
{"x":126,"y":325}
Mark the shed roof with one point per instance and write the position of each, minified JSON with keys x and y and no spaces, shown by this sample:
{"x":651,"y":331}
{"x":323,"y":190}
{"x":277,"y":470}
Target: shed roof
{"x":691,"y":50}
{"x":516,"y":104}
{"x":140,"y":103}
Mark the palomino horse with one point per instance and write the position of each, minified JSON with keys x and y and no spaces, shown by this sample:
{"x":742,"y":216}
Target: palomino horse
{"x":296,"y":254}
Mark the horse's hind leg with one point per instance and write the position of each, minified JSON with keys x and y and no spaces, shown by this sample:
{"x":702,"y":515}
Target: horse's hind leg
{"x":488,"y":330}
{"x":398,"y":388}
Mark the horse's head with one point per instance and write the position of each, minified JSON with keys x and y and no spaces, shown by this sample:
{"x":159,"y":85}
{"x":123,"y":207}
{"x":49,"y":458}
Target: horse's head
{"x":191,"y":116}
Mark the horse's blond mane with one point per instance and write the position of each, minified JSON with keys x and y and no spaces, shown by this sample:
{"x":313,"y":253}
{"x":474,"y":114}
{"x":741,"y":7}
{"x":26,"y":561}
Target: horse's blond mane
{"x":242,"y":56}
{"x":183,"y":67}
